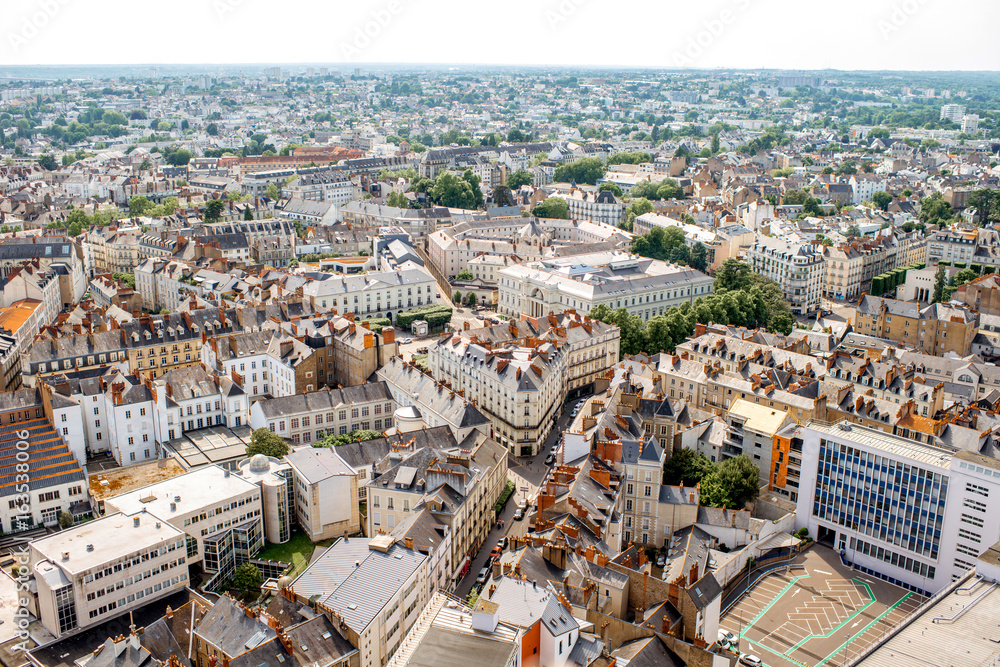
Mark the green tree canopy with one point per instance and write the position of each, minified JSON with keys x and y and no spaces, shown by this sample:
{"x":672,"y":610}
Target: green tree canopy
{"x":585,"y":170}
{"x":262,"y":441}
{"x":247,"y":578}
{"x":519,"y":178}
{"x":686,"y":466}
{"x":552,"y":207}
{"x":213,"y":210}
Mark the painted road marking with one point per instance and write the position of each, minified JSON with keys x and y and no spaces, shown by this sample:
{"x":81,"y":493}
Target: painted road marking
{"x":871,"y":601}
{"x":865,"y":629}
{"x":829,"y":574}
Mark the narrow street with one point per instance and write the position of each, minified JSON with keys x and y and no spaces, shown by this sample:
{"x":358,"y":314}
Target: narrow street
{"x":527,"y":473}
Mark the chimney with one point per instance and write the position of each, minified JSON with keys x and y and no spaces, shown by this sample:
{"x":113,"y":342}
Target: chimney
{"x":408,"y":542}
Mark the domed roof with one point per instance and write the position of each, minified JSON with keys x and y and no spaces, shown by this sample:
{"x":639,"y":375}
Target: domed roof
{"x":284,"y":582}
{"x":259,"y":463}
{"x":408,"y":412}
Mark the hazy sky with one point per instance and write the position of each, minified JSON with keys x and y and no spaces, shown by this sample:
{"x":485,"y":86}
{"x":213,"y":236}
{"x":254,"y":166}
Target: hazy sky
{"x":784,"y":34}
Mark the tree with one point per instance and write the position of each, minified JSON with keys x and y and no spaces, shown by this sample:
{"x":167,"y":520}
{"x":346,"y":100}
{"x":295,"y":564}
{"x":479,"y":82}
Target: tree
{"x":733,"y":483}
{"x":456,"y":298}
{"x":699,"y":256}
{"x":454,"y":192}
{"x":247,"y":578}
{"x":612,"y":187}
{"x":127,"y":278}
{"x":585,"y":170}
{"x":502,"y":196}
{"x":464,"y":274}
{"x":686,"y":466}
{"x":65,"y":519}
{"x":882,"y":200}
{"x":213,"y":210}
{"x":470,"y":299}
{"x":145,"y":165}
{"x":262,"y":441}
{"x":519,"y":178}
{"x":48,"y":162}
{"x":964,"y":276}
{"x":398,"y":200}
{"x":934,"y":210}
{"x":212,"y":129}
{"x":552,"y":207}
{"x":139,"y":205}
{"x":940,"y":283}
{"x":272,"y":191}
{"x":732,"y":275}
{"x":247,"y":213}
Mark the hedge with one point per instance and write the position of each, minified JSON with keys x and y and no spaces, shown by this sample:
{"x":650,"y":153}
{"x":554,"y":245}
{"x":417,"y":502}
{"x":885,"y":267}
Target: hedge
{"x":504,"y":497}
{"x":435,"y":315}
{"x":944,"y":263}
{"x":960,"y":265}
{"x":376,"y":324}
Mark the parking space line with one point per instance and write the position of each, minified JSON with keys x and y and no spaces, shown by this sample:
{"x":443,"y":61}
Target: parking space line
{"x":843,"y":623}
{"x":865,"y":629}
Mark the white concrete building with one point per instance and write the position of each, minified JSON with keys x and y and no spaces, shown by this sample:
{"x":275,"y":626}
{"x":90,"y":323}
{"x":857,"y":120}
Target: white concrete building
{"x":914,"y":514}
{"x":101,"y":569}
{"x":221,"y":514}
{"x":326,"y":493}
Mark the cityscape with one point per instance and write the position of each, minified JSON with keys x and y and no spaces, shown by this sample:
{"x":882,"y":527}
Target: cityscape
{"x":370,"y":357}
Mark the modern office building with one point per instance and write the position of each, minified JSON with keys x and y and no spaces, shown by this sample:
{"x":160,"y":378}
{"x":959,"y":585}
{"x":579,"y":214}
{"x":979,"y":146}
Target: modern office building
{"x":910,"y":513}
{"x":221,"y":513}
{"x":98,"y":570}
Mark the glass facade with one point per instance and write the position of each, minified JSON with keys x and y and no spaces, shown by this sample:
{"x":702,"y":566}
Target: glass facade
{"x":897,"y":503}
{"x":65,"y":609}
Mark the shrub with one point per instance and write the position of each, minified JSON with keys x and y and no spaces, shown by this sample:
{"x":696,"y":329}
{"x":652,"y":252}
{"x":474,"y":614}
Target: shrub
{"x":434,"y":314}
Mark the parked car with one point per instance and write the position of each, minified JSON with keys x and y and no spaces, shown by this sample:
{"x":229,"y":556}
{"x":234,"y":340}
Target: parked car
{"x":484,"y":574}
{"x":825,"y":313}
{"x":518,"y":513}
{"x":550,"y":459}
{"x":496,"y":552}
{"x":406,"y":341}
{"x":726,"y":637}
{"x":438,"y":295}
{"x":502,"y":544}
{"x":750,"y":660}
{"x":661,"y":560}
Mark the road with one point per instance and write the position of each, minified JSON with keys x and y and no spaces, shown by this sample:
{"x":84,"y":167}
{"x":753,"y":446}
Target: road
{"x":841,"y":312}
{"x":527,"y":473}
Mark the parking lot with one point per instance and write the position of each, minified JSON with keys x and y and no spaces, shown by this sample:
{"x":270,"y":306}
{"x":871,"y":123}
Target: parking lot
{"x":819,"y":612}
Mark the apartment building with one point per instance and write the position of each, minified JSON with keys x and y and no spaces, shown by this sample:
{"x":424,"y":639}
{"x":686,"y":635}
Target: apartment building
{"x":188,"y":399}
{"x":377,"y":588}
{"x":905,"y":511}
{"x":798,"y":269}
{"x":750,"y":430}
{"x":326,"y":493}
{"x":221,"y":515}
{"x":644,"y":287}
{"x":56,"y":257}
{"x":430,"y":403}
{"x":96,"y":571}
{"x":935,"y":329}
{"x":243,"y":356}
{"x":958,"y":244}
{"x":374,"y":294}
{"x":57,"y":481}
{"x":458,"y":482}
{"x":601,"y":206}
{"x":31,"y":282}
{"x":326,"y":186}
{"x":520,"y":388}
{"x":308,"y":418}
{"x":851,"y":266}
{"x":477,"y":631}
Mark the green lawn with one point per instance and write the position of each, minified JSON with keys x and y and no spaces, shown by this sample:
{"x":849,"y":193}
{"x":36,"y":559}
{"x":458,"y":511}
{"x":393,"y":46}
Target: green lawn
{"x":297,"y":551}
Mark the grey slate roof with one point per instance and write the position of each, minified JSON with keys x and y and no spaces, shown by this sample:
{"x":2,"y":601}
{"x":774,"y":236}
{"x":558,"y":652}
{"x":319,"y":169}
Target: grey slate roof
{"x":356,"y":581}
